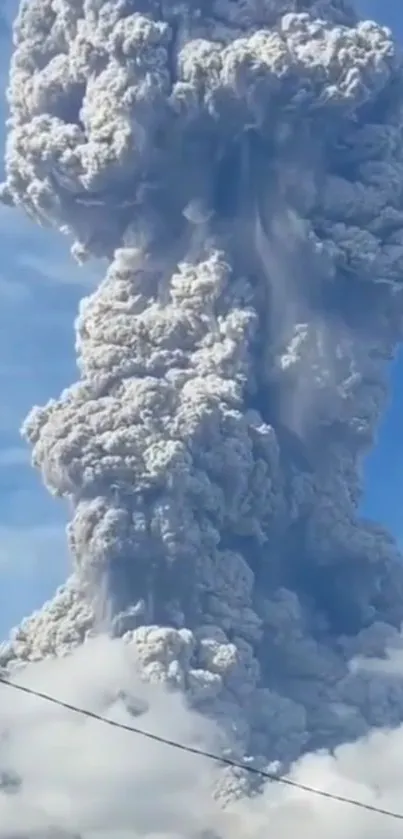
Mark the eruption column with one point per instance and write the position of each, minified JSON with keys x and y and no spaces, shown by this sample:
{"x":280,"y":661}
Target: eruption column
{"x":239,"y":165}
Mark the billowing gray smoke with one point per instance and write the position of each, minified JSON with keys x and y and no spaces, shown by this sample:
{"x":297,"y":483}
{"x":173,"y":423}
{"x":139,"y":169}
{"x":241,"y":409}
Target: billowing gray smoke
{"x":239,"y":164}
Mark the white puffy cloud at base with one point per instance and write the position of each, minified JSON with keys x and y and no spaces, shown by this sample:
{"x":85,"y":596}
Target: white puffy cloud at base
{"x":368,"y":770}
{"x":84,"y":777}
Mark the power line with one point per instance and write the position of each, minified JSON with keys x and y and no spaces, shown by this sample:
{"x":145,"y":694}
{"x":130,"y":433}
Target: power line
{"x":194,"y":750}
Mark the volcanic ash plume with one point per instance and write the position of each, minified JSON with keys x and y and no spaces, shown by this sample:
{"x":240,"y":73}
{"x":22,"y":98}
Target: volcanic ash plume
{"x":239,"y":165}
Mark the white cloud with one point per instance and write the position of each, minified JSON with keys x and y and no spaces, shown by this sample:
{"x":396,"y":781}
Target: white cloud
{"x":104,"y":783}
{"x":83,"y":776}
{"x":369,"y":771}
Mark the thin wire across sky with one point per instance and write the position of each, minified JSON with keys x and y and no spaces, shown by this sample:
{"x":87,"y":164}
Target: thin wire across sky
{"x":194,"y":750}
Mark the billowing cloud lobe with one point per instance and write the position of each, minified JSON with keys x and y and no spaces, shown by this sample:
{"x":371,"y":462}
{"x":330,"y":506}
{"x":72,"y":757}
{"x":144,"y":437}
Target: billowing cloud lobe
{"x":239,"y":166}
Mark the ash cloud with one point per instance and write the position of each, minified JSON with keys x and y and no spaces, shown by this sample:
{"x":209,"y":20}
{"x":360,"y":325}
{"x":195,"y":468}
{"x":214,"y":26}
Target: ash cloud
{"x":239,"y":166}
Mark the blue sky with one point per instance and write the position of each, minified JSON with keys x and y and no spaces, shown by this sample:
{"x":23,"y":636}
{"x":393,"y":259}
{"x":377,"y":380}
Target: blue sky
{"x":39,"y":293}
